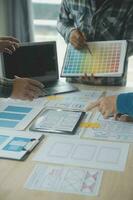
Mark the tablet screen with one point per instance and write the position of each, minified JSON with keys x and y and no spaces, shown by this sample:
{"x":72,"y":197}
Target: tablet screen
{"x":58,"y":121}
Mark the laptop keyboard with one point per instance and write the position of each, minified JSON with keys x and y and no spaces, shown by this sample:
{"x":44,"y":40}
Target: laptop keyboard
{"x":53,"y":84}
{"x":57,"y":87}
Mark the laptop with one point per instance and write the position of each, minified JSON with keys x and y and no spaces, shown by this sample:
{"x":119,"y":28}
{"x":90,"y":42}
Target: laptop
{"x":38,"y":61}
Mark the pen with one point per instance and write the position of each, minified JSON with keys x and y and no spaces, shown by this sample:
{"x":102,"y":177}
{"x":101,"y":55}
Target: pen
{"x":92,"y":105}
{"x":84,"y":38}
{"x":88,"y":49}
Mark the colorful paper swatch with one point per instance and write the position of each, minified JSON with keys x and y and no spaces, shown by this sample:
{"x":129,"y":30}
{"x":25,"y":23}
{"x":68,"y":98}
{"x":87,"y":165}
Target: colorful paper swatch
{"x":12,"y":115}
{"x":17,"y":144}
{"x":106,"y":59}
{"x":17,"y":116}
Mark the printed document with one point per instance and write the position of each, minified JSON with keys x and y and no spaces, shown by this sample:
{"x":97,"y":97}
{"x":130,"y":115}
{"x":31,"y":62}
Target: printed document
{"x":109,"y":129}
{"x":76,"y":100}
{"x":85,"y":153}
{"x":83,"y":181}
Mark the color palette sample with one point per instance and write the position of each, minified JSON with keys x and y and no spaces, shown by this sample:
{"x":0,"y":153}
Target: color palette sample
{"x":3,"y":139}
{"x":17,"y":144}
{"x":106,"y":59}
{"x":12,"y":115}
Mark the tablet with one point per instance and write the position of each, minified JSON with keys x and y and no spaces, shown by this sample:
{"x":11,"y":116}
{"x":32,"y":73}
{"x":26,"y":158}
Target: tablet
{"x":58,"y":121}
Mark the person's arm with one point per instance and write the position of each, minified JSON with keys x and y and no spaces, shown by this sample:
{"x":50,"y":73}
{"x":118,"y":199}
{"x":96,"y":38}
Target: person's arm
{"x":26,"y":89}
{"x":65,"y":23}
{"x":20,"y":88}
{"x":124,"y":104}
{"x":6,"y":86}
{"x":114,"y":105}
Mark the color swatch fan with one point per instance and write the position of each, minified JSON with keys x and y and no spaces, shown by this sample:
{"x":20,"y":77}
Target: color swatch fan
{"x":106,"y":59}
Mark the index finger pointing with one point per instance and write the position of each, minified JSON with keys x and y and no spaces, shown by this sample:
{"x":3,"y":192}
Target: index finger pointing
{"x":92,"y":105}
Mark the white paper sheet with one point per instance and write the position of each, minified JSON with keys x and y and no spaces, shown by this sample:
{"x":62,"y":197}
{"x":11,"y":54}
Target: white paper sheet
{"x":36,"y":102}
{"x":17,"y":116}
{"x":110,"y":129}
{"x":79,"y":152}
{"x":16,"y":144}
{"x":76,"y":100}
{"x":74,"y":180}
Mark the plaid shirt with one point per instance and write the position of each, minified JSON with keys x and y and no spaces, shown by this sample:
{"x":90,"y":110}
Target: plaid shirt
{"x":109,"y":22}
{"x":5,"y":87}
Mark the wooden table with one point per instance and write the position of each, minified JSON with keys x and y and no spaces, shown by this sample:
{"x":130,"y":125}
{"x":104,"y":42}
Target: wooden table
{"x":13,"y":175}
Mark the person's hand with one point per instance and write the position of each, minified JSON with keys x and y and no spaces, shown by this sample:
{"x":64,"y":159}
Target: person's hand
{"x":91,"y":79}
{"x":26,"y":89}
{"x":106,"y":105}
{"x":8,"y":44}
{"x":77,"y":39}
{"x":123,"y":117}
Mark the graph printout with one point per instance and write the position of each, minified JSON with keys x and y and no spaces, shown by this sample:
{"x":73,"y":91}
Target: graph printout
{"x":106,"y":59}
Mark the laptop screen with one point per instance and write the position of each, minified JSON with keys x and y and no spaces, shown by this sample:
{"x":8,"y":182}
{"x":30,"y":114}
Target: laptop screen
{"x":33,"y":60}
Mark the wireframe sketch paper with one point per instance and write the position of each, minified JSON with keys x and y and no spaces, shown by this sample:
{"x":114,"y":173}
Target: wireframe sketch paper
{"x":109,"y":129}
{"x":36,"y":102}
{"x":74,"y":180}
{"x":17,"y":116}
{"x":16,"y":145}
{"x":79,"y":152}
{"x":107,"y":59}
{"x":75,"y":101}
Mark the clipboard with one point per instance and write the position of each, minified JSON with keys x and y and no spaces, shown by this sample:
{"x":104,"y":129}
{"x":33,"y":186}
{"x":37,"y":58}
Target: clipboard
{"x":58,"y":121}
{"x":17,"y":146}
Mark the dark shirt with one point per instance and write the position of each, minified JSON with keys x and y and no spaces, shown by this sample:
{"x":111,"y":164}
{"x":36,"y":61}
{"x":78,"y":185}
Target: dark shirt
{"x":99,"y":3}
{"x":6,"y":86}
{"x":111,"y":21}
